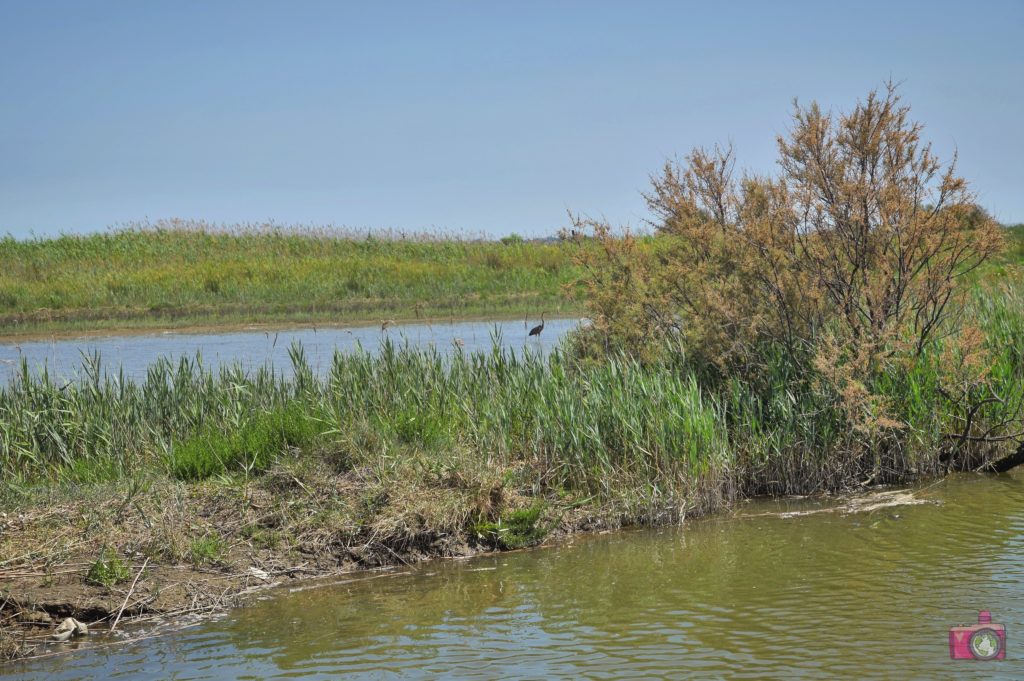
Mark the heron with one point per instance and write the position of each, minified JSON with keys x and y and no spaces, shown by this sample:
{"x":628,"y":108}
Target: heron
{"x":535,"y":331}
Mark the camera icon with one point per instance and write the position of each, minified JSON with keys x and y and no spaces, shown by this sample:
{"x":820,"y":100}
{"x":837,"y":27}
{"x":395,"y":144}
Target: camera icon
{"x":981,"y":641}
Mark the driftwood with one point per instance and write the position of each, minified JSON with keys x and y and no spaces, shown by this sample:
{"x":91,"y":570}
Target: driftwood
{"x":128,"y":595}
{"x":1007,"y":462}
{"x":867,"y":503}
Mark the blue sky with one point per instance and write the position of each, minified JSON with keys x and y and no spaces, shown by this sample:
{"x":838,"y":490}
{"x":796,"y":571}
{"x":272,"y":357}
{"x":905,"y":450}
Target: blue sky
{"x":475,"y":117}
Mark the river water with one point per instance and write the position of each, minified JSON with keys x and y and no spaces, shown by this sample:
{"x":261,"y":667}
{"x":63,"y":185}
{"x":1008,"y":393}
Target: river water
{"x":753,"y":594}
{"x":252,"y":349}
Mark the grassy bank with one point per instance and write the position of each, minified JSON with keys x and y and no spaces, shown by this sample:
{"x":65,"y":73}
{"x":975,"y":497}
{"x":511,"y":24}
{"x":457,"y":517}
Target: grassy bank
{"x":175,"y":275}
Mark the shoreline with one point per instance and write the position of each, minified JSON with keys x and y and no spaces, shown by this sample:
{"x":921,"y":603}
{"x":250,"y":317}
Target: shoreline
{"x":272,"y":325}
{"x":42,"y":587}
{"x":180,"y":275}
{"x":213,"y":592}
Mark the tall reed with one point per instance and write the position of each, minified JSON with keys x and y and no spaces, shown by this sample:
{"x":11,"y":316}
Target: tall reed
{"x":657,"y":433}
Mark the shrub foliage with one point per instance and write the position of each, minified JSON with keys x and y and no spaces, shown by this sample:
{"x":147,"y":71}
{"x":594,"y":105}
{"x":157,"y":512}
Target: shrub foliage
{"x":835,"y":275}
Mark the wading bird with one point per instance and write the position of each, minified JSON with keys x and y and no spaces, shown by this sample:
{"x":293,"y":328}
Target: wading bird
{"x":535,"y":331}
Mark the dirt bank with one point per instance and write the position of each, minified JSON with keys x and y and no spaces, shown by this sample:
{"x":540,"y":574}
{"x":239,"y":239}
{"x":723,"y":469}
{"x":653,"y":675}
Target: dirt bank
{"x":163,"y":549}
{"x":166,"y":554}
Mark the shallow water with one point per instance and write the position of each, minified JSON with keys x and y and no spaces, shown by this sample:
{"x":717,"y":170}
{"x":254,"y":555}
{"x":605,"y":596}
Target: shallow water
{"x":253,"y":349}
{"x":828,"y":595}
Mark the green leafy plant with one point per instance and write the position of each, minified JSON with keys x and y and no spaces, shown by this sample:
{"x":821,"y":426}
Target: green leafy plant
{"x":108,"y":569}
{"x":513,"y":530}
{"x":209,"y":548}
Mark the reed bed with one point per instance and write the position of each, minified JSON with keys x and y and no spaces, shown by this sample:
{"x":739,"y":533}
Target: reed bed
{"x":617,"y":429}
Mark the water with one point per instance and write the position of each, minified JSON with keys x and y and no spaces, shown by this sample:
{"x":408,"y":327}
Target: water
{"x":252,"y":349}
{"x":743,"y":596}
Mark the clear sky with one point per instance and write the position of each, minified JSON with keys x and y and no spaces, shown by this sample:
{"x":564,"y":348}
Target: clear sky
{"x":461,"y":116}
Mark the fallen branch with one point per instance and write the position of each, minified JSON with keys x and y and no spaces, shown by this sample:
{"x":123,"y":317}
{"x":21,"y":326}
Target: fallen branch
{"x":859,"y":504}
{"x":128,"y":595}
{"x":1007,"y":462}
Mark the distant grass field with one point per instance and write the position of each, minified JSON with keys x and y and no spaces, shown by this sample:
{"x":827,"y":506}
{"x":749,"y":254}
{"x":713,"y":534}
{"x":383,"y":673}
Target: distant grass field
{"x":183,"y":274}
{"x":1014,"y":252}
{"x":176,"y":275}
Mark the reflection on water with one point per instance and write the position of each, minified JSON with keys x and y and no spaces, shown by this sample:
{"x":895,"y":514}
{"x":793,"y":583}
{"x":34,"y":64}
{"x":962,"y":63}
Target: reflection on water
{"x":253,"y":349}
{"x":825,"y":595}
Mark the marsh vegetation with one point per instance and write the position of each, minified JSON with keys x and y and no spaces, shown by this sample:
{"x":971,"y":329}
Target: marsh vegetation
{"x":185,"y":273}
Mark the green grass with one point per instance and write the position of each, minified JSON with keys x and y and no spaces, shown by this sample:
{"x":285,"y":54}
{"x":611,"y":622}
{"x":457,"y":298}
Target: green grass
{"x":207,"y":549}
{"x":1014,"y":252}
{"x":249,"y":448}
{"x":514,"y":530}
{"x":108,"y":570}
{"x":180,"y":274}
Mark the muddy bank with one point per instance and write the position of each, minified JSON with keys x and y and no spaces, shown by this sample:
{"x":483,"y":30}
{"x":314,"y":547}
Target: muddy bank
{"x":159,"y":549}
{"x":104,"y":327}
{"x":45,"y":324}
{"x":171,"y":553}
